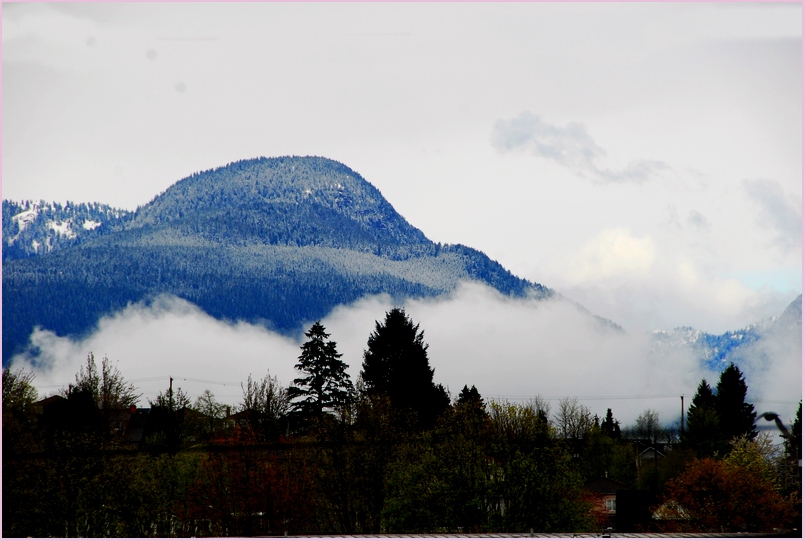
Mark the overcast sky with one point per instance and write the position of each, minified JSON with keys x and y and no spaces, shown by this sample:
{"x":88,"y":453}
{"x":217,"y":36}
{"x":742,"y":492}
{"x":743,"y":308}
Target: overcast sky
{"x":643,"y":159}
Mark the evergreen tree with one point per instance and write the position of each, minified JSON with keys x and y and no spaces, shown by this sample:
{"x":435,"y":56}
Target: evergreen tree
{"x":793,"y":445}
{"x":326,"y":384}
{"x":610,"y":426}
{"x":702,"y":431}
{"x":470,"y":403}
{"x":735,"y":416}
{"x":396,"y":364}
{"x":165,"y":427}
{"x":470,"y":395}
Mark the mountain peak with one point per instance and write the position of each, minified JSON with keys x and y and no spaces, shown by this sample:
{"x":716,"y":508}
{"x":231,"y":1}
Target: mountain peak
{"x":270,"y":185}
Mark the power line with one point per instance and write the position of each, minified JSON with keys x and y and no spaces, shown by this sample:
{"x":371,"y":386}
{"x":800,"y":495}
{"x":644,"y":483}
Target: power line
{"x":592,"y":397}
{"x":183,"y":378}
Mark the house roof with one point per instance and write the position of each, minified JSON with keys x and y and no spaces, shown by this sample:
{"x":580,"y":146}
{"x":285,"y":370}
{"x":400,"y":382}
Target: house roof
{"x":48,"y":401}
{"x":651,"y":452}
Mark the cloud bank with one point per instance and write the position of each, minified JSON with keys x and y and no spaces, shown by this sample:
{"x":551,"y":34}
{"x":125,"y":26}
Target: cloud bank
{"x":571,"y":146}
{"x":779,"y":211}
{"x":510,"y":349}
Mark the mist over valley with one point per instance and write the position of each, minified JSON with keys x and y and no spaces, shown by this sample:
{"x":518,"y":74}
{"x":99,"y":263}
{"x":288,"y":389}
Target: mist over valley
{"x":218,"y":277}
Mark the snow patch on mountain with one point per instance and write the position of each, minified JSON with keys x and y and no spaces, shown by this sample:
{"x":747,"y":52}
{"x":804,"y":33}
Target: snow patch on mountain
{"x":741,"y":346}
{"x":33,"y":228}
{"x":62,"y":228}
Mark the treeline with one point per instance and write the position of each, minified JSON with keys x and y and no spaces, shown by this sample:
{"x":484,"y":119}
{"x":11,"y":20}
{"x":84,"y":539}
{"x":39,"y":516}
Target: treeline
{"x":67,"y":292}
{"x":390,"y":453}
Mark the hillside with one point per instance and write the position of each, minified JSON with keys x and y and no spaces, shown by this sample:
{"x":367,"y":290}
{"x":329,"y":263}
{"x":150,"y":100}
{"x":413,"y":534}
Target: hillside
{"x":278,"y":241}
{"x":32,"y":228}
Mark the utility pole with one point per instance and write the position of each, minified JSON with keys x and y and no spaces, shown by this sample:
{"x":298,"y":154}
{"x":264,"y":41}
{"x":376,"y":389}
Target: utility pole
{"x":170,"y":393}
{"x":682,"y":423}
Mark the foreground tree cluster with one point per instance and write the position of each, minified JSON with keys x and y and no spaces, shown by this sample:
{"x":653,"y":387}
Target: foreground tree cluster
{"x":391,"y":453}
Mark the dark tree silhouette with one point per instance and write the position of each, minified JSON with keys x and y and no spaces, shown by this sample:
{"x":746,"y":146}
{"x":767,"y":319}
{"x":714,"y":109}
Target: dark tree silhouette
{"x":702,"y":433}
{"x":396,"y":364}
{"x":735,"y":416}
{"x":610,"y":426}
{"x":108,"y":388}
{"x":326,"y":385}
{"x":470,"y":396}
{"x":793,"y":445}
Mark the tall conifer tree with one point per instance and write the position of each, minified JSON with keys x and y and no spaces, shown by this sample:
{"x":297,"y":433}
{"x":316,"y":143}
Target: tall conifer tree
{"x":326,"y":385}
{"x":736,"y":417}
{"x":396,"y":364}
{"x":610,"y":426}
{"x":702,"y":432}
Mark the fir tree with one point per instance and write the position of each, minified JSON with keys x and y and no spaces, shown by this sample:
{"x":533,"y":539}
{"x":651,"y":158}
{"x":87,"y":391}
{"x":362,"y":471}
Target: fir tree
{"x":736,"y":417}
{"x":470,"y":403}
{"x":326,"y":385}
{"x":470,"y":396}
{"x":702,"y":431}
{"x":396,"y":364}
{"x":610,"y":426}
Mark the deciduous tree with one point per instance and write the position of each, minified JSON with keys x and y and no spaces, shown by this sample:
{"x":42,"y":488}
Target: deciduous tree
{"x":108,"y":388}
{"x":18,"y":397}
{"x":267,"y":405}
{"x":573,"y":421}
{"x":647,"y":427}
{"x":719,"y":496}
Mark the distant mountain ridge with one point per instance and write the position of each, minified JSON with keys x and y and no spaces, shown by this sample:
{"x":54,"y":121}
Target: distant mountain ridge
{"x":280,"y":241}
{"x":32,"y":228}
{"x":274,"y":241}
{"x":717,"y":351}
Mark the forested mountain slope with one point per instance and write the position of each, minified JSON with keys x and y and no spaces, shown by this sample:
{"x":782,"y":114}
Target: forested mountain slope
{"x":32,"y":228}
{"x":279,"y":241}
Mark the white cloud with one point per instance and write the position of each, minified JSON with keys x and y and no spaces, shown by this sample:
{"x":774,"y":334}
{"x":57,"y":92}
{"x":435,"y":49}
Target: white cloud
{"x":613,"y":252}
{"x":698,"y":220}
{"x":169,"y":337}
{"x":779,"y":211}
{"x":509,"y":348}
{"x":571,"y":146}
{"x":409,"y":104}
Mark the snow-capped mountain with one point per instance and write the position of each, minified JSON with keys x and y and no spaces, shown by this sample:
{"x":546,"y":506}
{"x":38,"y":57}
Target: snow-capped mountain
{"x":33,"y":228}
{"x":276,"y":241}
{"x":716,"y":351}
